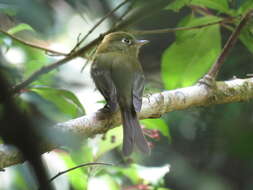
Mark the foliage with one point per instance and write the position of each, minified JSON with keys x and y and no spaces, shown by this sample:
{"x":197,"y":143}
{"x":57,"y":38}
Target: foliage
{"x":182,"y":57}
{"x":19,"y":28}
{"x":183,"y":62}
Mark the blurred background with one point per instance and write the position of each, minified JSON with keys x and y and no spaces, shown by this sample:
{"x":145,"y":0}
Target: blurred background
{"x":204,"y":148}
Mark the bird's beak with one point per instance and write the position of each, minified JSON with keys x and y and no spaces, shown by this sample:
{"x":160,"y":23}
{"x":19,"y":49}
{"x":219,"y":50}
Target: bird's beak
{"x":141,"y":42}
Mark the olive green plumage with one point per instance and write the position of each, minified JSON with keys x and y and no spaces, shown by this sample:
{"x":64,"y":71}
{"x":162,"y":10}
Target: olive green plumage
{"x":118,"y":76}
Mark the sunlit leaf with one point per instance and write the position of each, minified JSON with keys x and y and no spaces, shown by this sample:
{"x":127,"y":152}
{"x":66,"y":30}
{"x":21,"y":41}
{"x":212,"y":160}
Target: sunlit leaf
{"x":130,"y":172}
{"x":31,"y":101}
{"x":86,"y":154}
{"x":219,"y":5}
{"x":245,"y":6}
{"x":177,"y":5}
{"x":7,"y":10}
{"x":191,"y":55}
{"x":19,"y":28}
{"x":19,"y":180}
{"x":112,"y":140}
{"x":78,"y":178}
{"x":36,"y":59}
{"x":246,"y":37}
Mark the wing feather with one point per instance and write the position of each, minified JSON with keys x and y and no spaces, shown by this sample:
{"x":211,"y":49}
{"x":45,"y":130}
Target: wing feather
{"x":138,"y":87}
{"x":103,"y":81}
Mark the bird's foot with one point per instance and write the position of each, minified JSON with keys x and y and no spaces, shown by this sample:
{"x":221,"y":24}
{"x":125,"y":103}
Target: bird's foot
{"x":109,"y":108}
{"x":106,"y":111}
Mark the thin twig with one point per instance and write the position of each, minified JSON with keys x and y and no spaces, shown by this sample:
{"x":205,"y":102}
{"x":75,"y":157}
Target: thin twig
{"x":124,"y":14}
{"x":76,"y":167}
{"x":166,"y":30}
{"x":85,"y":64}
{"x":98,"y":23}
{"x":201,"y":10}
{"x":207,"y":12}
{"x":89,"y":58}
{"x":32,"y":45}
{"x":46,"y":69}
{"x":213,"y":72}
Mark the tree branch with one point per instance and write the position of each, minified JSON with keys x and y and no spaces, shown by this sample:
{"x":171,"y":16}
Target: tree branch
{"x":98,"y":23}
{"x":32,"y":45}
{"x":120,"y":19}
{"x":167,"y":30}
{"x":236,"y":90}
{"x":213,"y":72}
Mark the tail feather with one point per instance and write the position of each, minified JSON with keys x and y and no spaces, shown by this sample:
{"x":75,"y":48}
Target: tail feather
{"x":132,"y":133}
{"x":140,"y":140}
{"x":128,"y":133}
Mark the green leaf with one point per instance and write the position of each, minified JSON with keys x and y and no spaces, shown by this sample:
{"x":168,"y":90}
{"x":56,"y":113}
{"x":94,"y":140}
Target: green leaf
{"x":177,"y":5}
{"x":20,"y":181}
{"x":87,"y":151}
{"x":64,"y":100}
{"x":219,"y":5}
{"x":245,"y":7}
{"x":78,"y":178}
{"x":36,"y":60}
{"x":130,"y":172}
{"x":19,"y":28}
{"x":191,"y":55}
{"x":31,"y":66}
{"x":28,"y":101}
{"x":7,"y":10}
{"x":246,"y":37}
{"x":112,"y":140}
{"x":158,"y":124}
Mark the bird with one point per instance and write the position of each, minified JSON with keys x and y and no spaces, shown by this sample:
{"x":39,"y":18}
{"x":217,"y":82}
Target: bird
{"x":118,"y":75}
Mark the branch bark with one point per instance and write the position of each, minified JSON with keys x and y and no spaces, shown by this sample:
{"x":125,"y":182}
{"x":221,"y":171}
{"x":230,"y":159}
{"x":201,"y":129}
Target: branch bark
{"x":155,"y":105}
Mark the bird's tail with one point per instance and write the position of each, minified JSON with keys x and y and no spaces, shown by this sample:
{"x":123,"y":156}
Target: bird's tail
{"x":132,"y":133}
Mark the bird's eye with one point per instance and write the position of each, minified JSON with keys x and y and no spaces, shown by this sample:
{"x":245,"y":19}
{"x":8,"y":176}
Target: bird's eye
{"x":126,"y":41}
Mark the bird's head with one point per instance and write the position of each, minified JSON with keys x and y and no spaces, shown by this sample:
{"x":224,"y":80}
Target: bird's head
{"x":121,"y":42}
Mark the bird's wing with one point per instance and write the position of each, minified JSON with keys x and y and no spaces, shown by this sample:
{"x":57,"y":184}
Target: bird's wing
{"x":129,"y":81}
{"x":138,"y":87}
{"x":105,"y":85}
